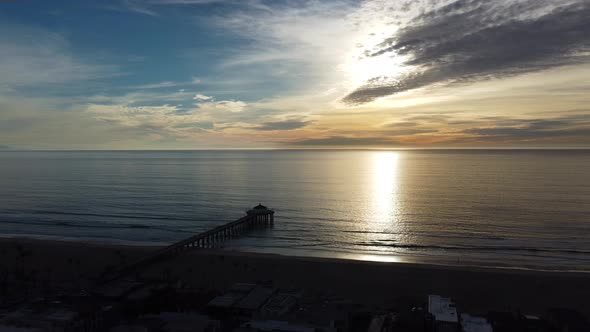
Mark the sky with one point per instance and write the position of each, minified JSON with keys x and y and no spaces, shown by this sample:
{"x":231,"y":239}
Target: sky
{"x":213,"y":74}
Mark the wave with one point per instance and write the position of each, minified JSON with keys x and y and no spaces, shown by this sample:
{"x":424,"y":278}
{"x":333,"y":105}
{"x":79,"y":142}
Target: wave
{"x":472,"y":248}
{"x":425,"y":234}
{"x":98,"y":225}
{"x":103,"y":215}
{"x":317,"y":242}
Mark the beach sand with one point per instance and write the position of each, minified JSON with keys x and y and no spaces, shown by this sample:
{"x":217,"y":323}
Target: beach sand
{"x":71,"y":265}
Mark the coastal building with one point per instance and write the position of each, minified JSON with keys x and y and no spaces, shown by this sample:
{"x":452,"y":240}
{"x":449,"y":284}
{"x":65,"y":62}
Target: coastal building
{"x":225,"y":302}
{"x":7,"y":328}
{"x":185,"y":322}
{"x":383,"y":322}
{"x":330,"y":314}
{"x":52,"y":320}
{"x":139,"y":326}
{"x":532,"y":323}
{"x":410,"y":320}
{"x":118,"y":289}
{"x":474,"y":324}
{"x":567,"y":320}
{"x":443,"y":314}
{"x":279,"y":305}
{"x":170,"y":322}
{"x":241,"y":300}
{"x":502,"y":321}
{"x":274,"y":326}
{"x":255,"y":299}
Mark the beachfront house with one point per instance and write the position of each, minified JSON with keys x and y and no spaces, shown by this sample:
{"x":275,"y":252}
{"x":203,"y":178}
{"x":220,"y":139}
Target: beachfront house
{"x":474,"y":324}
{"x":442,"y":314}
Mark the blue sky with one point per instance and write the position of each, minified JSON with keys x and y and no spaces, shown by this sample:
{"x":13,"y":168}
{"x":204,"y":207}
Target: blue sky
{"x":158,"y":74}
{"x":121,"y":42}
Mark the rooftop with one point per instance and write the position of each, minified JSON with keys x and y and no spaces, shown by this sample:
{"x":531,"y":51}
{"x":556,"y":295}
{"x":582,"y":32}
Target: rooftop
{"x":280,"y":302}
{"x":184,"y":322}
{"x":224,"y":301}
{"x":243,"y":288}
{"x":442,"y":308}
{"x":255,"y":299}
{"x":475,"y":324}
{"x":274,"y":325}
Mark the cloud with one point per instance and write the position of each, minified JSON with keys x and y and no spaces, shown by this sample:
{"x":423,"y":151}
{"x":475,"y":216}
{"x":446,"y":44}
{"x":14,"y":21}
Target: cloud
{"x":134,"y":6}
{"x":288,"y":42}
{"x":472,"y":40}
{"x":141,"y":98}
{"x":283,"y":125}
{"x":46,"y":123}
{"x":201,"y":125}
{"x":234,"y":106}
{"x":183,"y":2}
{"x":407,"y":132}
{"x":570,"y":128}
{"x":345,"y":141}
{"x":165,"y":84}
{"x":138,"y":112}
{"x":515,"y":130}
{"x":165,"y":121}
{"x":153,"y":7}
{"x":32,"y":56}
{"x":201,"y":97}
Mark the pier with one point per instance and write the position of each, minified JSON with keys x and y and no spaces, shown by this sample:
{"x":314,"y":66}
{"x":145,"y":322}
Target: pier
{"x":257,"y":217}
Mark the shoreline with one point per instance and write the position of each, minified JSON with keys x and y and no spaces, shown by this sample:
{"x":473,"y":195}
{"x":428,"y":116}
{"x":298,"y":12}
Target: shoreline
{"x":311,"y":254}
{"x":409,"y":260}
{"x":75,"y":266}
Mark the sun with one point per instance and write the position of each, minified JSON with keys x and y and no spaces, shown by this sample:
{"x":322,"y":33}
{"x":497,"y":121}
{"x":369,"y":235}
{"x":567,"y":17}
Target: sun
{"x":383,"y":67}
{"x":363,"y":66}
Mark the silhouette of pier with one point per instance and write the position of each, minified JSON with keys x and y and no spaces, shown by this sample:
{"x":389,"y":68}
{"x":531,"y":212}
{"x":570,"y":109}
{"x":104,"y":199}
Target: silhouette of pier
{"x":258,"y":217}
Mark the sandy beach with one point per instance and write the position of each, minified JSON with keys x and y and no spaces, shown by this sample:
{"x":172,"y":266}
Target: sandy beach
{"x":33,"y":266}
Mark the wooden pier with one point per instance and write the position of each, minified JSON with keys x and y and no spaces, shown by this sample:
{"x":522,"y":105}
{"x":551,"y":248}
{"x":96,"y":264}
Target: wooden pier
{"x":257,"y":217}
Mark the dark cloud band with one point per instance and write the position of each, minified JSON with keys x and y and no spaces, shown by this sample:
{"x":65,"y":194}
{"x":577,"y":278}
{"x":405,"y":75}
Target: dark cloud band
{"x":283,"y":125}
{"x":479,"y":39}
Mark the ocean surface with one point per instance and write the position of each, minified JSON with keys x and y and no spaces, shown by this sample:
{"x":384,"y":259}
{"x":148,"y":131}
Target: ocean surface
{"x":512,"y":208}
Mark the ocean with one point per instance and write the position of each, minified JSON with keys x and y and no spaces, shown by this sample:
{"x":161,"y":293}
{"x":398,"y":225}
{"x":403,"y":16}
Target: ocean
{"x":522,"y":209}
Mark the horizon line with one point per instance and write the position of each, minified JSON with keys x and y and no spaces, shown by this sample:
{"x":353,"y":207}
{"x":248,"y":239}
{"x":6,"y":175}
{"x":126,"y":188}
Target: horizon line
{"x":298,"y":149}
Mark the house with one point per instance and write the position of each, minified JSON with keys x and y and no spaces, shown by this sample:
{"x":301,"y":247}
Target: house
{"x":475,"y":324}
{"x":443,"y":314}
{"x":567,"y":320}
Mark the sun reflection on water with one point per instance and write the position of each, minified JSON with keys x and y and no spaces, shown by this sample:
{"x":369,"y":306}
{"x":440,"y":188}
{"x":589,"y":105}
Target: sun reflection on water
{"x":381,"y":258}
{"x":381,"y":224}
{"x":385,"y":187}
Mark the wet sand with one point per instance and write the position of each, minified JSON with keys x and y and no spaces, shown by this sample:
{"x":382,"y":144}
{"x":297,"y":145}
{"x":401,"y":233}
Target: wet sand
{"x":476,"y":290}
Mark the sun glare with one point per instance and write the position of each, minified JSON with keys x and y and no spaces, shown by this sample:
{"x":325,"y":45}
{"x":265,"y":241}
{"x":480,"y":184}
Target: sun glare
{"x":375,"y":68}
{"x":363,"y":65}
{"x":381,"y":258}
